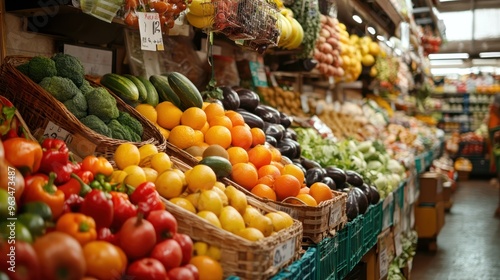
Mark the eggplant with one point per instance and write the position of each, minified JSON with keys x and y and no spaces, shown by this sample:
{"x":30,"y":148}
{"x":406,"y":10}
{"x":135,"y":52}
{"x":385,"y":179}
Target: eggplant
{"x":251,"y":119}
{"x":307,"y":163}
{"x":353,"y":178}
{"x":267,"y":113}
{"x":290,"y":133}
{"x":367,"y":191}
{"x":297,"y":149}
{"x":288,"y":148}
{"x":361,"y":200}
{"x":249,"y":100}
{"x":351,"y":206}
{"x":337,"y":174}
{"x":231,"y":100}
{"x":314,"y":175}
{"x":300,"y":166}
{"x":275,"y":130}
{"x":329,"y":182}
{"x":272,"y":141}
{"x":285,"y":120}
{"x":375,"y":195}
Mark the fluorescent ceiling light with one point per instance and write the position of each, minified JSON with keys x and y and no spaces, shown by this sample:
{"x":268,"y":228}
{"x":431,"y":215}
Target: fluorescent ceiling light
{"x":447,"y":62}
{"x":448,"y":0}
{"x":489,"y":54}
{"x":380,"y":38}
{"x":488,"y":62}
{"x":371,"y":30}
{"x":450,"y":71}
{"x":448,"y":56}
{"x":357,"y":19}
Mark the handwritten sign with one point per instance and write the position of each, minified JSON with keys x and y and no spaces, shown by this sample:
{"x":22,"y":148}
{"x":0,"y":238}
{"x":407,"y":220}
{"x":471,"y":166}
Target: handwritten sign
{"x":77,"y":144}
{"x":335,"y":215}
{"x":150,"y":30}
{"x":54,"y":131}
{"x":283,"y":252}
{"x":383,"y":263}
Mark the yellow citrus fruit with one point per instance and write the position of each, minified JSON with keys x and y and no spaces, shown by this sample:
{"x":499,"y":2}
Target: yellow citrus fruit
{"x":210,"y":217}
{"x":148,"y":111}
{"x":205,"y":128}
{"x":295,"y":171}
{"x":251,"y":234}
{"x":169,"y":184}
{"x":181,"y":174}
{"x":213,"y":110}
{"x":218,"y":134}
{"x":193,"y":198}
{"x":237,"y":155}
{"x":161,"y":162}
{"x":194,"y":117}
{"x":279,"y":221}
{"x":200,"y":248}
{"x":211,"y":201}
{"x":183,"y":203}
{"x":208,"y":268}
{"x":200,"y":177}
{"x":147,"y":150}
{"x":182,"y":136}
{"x":214,"y":252}
{"x":199,"y":137}
{"x":169,"y":116}
{"x":126,"y":154}
{"x":288,"y":218}
{"x":118,"y":176}
{"x":151,"y":174}
{"x":222,"y":121}
{"x":135,"y":175}
{"x":163,"y":131}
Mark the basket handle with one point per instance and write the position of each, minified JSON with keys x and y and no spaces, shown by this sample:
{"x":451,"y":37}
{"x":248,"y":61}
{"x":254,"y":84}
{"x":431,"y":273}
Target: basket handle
{"x":294,"y":198}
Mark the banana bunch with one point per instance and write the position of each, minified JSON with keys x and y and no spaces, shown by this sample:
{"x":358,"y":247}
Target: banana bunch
{"x":201,"y":13}
{"x":292,"y":33}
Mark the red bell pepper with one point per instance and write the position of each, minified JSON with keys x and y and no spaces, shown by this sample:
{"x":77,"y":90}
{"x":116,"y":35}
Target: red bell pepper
{"x":72,"y":203}
{"x":98,"y":205}
{"x":147,"y":198}
{"x":105,"y":234}
{"x":55,"y":154}
{"x":122,"y":209}
{"x":78,"y":184}
{"x":64,"y":171}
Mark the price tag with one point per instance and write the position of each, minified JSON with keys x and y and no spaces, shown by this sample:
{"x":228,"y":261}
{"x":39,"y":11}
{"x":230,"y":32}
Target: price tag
{"x":150,"y":30}
{"x":284,"y":252}
{"x":292,"y":212}
{"x":54,"y":131}
{"x":397,"y":244}
{"x":335,"y":215}
{"x":77,"y":144}
{"x":383,"y":263}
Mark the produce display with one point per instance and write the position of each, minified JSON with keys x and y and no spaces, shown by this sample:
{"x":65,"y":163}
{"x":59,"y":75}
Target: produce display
{"x":327,"y":51}
{"x":168,"y":11}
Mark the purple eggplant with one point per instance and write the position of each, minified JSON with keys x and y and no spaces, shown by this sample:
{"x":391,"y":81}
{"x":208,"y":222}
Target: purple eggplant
{"x":285,"y":120}
{"x":329,"y":182}
{"x":361,"y":200}
{"x":375,"y":195}
{"x":314,"y":175}
{"x":267,"y":113}
{"x":249,"y":100}
{"x":337,"y":174}
{"x":352,"y":210}
{"x":231,"y":100}
{"x":251,"y":119}
{"x":367,"y":191}
{"x":353,"y":178}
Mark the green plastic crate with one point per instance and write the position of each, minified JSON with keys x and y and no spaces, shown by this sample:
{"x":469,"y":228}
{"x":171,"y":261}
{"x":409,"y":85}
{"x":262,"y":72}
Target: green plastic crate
{"x":355,"y":241}
{"x":400,"y":194}
{"x":377,"y":222}
{"x":342,"y":254}
{"x":326,"y":258}
{"x":303,"y":268}
{"x":388,"y":211}
{"x":419,"y":164}
{"x":368,"y":230}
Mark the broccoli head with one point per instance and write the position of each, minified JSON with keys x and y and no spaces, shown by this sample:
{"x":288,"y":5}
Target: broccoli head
{"x":40,"y":67}
{"x":77,"y":105}
{"x":24,"y":68}
{"x":63,"y":89}
{"x":127,"y":120}
{"x":118,"y":131}
{"x":86,"y":87}
{"x":102,"y":104}
{"x":96,"y":124}
{"x":69,"y":67}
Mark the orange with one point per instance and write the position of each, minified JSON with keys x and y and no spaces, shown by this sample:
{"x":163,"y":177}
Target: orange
{"x":241,"y":137}
{"x":205,"y":104}
{"x":320,"y":192}
{"x":208,"y":268}
{"x":260,"y":155}
{"x":148,"y":111}
{"x":276,"y":154}
{"x":221,"y":120}
{"x":194,"y":117}
{"x":262,"y":190}
{"x":267,"y":180}
{"x":245,"y":175}
{"x":237,"y":155}
{"x":218,"y":135}
{"x":235,"y":117}
{"x":285,"y":186}
{"x":169,"y":116}
{"x":205,"y":127}
{"x":213,"y":110}
{"x":199,"y":137}
{"x":258,"y":136}
{"x":295,"y":171}
{"x":306,"y":198}
{"x":163,"y":131}
{"x":182,"y":136}
{"x":278,"y":164}
{"x":304,"y":190}
{"x":269,"y":170}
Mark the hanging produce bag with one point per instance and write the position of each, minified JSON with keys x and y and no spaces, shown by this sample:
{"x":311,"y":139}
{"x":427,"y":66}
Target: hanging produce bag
{"x":102,"y":9}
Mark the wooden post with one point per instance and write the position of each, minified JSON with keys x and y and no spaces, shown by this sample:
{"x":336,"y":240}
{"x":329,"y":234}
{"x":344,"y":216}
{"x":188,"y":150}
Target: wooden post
{"x":3,"y":32}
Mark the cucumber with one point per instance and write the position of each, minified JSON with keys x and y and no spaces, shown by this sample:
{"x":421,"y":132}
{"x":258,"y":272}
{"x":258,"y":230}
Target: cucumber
{"x":165,"y":92}
{"x":143,"y":92}
{"x":152,"y":98}
{"x":187,"y":92}
{"x":121,"y":86}
{"x":221,"y":166}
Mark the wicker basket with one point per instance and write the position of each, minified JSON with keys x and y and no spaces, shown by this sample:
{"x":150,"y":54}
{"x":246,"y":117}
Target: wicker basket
{"x":318,"y":221}
{"x":38,"y":107}
{"x":241,"y":257}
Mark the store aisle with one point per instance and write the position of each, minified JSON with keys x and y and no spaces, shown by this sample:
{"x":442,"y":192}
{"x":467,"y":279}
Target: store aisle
{"x":469,"y":243}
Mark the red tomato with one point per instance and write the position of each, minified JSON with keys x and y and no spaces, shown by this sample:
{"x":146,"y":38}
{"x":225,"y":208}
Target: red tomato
{"x":180,"y":273}
{"x":164,"y":223}
{"x":194,"y":270}
{"x":146,"y":269}
{"x":186,"y":246}
{"x":169,"y":253}
{"x":137,"y":237}
{"x":19,"y":260}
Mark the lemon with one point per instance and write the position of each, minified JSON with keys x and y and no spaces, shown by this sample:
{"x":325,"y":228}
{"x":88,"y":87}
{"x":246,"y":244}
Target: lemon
{"x":231,"y":220}
{"x":135,"y":175}
{"x":210,"y":217}
{"x":279,"y":222}
{"x":214,"y":252}
{"x":125,"y":155}
{"x":264,"y":224}
{"x":222,"y":196}
{"x":181,"y":175}
{"x":200,"y":248}
{"x":200,"y":21}
{"x":151,"y":174}
{"x":163,"y":131}
{"x":148,"y":111}
{"x":147,"y":150}
{"x":210,"y":201}
{"x":193,"y":198}
{"x":288,"y":218}
{"x":251,"y":234}
{"x":201,"y":7}
{"x":220,"y":186}
{"x":169,"y":184}
{"x":118,"y":176}
{"x":200,"y":177}
{"x":161,"y":162}
{"x":183,"y":203}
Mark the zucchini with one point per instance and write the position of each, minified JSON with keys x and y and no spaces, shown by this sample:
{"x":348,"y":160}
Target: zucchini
{"x":143,"y":93}
{"x":187,"y":92}
{"x":165,"y":92}
{"x":152,"y":97}
{"x":121,"y":86}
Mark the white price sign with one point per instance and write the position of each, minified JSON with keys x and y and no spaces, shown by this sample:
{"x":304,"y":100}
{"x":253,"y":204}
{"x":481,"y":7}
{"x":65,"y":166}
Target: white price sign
{"x":150,"y":30}
{"x":383,"y":263}
{"x":284,"y":252}
{"x":54,"y":131}
{"x":335,"y":215}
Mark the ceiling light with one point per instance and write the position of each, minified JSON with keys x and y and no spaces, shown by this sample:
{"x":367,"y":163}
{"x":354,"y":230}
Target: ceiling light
{"x":389,"y":43}
{"x":448,"y":0}
{"x":380,"y":38}
{"x":357,"y":19}
{"x":447,"y":62}
{"x":371,"y":30}
{"x":489,"y":54}
{"x":448,"y":56}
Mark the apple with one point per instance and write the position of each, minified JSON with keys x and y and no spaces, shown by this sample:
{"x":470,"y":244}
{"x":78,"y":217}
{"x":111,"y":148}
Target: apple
{"x":164,"y":223}
{"x":169,"y":253}
{"x":180,"y":273}
{"x":194,"y":270}
{"x":147,"y":269}
{"x":186,"y":246}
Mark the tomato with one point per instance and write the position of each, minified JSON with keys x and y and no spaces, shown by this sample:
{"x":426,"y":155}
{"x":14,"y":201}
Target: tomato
{"x":137,"y":237}
{"x":27,"y":266}
{"x":180,"y":273}
{"x":194,"y":270}
{"x":11,"y":179}
{"x":61,"y":256}
{"x":186,"y":246}
{"x":104,"y":260}
{"x":164,"y":223}
{"x":146,"y":269}
{"x":169,"y":253}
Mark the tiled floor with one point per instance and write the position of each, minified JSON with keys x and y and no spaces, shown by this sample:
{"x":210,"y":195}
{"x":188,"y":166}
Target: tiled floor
{"x":469,"y":243}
